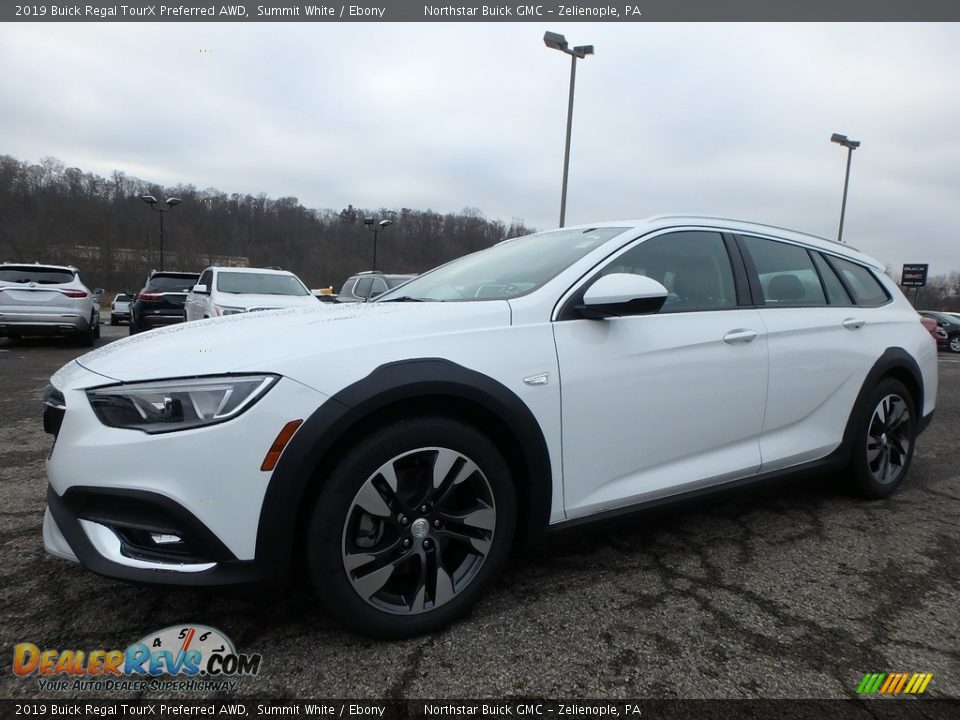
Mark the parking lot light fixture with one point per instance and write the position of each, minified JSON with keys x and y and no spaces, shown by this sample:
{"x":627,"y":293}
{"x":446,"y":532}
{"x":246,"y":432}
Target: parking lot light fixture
{"x":376,"y":227}
{"x":162,"y":208}
{"x":850,"y":145}
{"x":556,"y":41}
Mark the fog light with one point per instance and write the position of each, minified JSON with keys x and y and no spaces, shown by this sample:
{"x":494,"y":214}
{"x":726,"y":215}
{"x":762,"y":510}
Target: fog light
{"x":163,"y":539}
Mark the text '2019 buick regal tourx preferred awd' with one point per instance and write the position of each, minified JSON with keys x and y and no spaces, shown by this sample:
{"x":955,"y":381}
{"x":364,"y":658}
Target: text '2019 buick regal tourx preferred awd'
{"x":392,"y":452}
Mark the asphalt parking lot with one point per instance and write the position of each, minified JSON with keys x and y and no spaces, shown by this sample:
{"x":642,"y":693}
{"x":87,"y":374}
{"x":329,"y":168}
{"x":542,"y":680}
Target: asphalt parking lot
{"x":791,"y":591}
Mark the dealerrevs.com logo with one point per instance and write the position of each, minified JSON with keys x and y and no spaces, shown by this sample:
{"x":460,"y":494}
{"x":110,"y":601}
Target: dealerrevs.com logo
{"x":200,"y":658}
{"x":894,"y":683}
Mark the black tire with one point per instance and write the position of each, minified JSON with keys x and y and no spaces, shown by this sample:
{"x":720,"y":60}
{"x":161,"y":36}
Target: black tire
{"x":885,"y":437}
{"x":132,"y":329}
{"x":88,"y":336}
{"x":436,"y":566}
{"x":114,"y":321}
{"x":953,"y":345}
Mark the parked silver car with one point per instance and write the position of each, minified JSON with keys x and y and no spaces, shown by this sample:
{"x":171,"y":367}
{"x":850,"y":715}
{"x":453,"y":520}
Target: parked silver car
{"x":367,"y":285}
{"x":40,"y":299}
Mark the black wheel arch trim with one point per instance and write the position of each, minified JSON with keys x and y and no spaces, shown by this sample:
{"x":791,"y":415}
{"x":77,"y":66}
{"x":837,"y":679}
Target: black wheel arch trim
{"x":894,"y":360}
{"x":388,"y":384}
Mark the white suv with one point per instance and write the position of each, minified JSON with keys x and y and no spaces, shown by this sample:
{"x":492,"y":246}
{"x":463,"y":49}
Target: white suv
{"x":230,"y":291}
{"x":40,"y":299}
{"x":393,"y":451}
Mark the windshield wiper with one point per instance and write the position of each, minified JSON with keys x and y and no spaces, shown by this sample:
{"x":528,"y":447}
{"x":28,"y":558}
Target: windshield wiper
{"x":404,"y":298}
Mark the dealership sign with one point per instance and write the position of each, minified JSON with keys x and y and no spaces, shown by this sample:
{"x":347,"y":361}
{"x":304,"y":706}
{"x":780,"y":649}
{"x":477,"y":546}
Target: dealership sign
{"x":914,"y":275}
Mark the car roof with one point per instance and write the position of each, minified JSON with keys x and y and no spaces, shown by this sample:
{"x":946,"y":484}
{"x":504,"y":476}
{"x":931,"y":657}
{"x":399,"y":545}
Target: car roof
{"x":658,"y":222}
{"x":258,"y":271}
{"x":174,"y":273}
{"x":34,"y":266}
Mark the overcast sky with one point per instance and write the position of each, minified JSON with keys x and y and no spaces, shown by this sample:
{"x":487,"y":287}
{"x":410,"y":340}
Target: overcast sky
{"x":727,"y":119}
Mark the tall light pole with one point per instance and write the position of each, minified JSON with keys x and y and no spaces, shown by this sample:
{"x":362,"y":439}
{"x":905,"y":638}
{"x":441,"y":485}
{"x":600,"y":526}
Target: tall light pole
{"x":556,"y":41}
{"x":169,"y":202}
{"x":376,"y":227}
{"x":850,"y":145}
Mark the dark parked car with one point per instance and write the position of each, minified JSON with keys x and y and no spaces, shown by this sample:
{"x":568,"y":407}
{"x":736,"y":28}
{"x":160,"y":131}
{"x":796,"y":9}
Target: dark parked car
{"x":949,"y":324}
{"x":160,"y":302}
{"x":367,"y":285}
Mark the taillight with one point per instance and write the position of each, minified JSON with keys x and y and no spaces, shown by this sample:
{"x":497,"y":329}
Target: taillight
{"x":77,"y":294}
{"x":149,"y":296}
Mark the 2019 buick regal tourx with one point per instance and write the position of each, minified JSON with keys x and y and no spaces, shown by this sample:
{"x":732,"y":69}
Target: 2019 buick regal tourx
{"x":392,"y":451}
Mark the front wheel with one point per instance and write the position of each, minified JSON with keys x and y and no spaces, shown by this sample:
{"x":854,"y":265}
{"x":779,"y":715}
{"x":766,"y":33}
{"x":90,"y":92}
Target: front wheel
{"x":411,"y":527}
{"x":885,"y":440}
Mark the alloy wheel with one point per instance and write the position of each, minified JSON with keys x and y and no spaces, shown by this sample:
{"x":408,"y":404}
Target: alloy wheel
{"x":888,"y":439}
{"x":418,"y":530}
{"x":955,"y":344}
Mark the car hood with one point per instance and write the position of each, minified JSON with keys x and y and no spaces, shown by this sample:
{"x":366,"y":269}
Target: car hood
{"x":248,"y":301}
{"x":256,"y":341}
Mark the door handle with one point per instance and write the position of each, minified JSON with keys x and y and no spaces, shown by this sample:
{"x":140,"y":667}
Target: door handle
{"x":854,"y":323}
{"x":740,"y":335}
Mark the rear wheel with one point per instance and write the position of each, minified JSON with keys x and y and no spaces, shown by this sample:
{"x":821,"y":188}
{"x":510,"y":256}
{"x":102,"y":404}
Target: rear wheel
{"x":113,"y":320}
{"x":411,"y":527}
{"x":92,"y":332}
{"x":885,"y":440}
{"x":954,"y":344}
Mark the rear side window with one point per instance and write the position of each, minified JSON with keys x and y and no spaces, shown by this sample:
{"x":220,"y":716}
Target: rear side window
{"x":787,"y":275}
{"x":866,"y":289}
{"x":362,"y":288}
{"x":379,"y":287}
{"x":39,"y":275}
{"x":836,"y":294}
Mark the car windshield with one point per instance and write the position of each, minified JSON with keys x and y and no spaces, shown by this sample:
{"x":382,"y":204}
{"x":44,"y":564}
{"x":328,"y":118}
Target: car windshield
{"x":173,"y":283}
{"x":506,"y":270}
{"x":38,"y":275}
{"x":122,"y":298}
{"x":260,"y":284}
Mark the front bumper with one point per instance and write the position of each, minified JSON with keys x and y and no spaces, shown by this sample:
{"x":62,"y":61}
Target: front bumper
{"x":111,"y":534}
{"x":176,"y":508}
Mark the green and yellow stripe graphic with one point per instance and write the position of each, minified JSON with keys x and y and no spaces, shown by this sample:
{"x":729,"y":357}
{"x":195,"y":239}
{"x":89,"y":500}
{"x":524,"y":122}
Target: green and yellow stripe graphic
{"x":894,"y":683}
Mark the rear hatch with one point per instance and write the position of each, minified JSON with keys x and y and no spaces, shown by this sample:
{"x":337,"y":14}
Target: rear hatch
{"x":166,"y":292}
{"x":24,"y":287}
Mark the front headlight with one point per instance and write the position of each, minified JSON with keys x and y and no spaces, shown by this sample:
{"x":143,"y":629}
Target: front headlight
{"x":220,"y":310}
{"x":171,"y":405}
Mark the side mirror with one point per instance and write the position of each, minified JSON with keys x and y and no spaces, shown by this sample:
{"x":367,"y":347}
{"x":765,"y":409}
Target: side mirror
{"x":620,"y":294}
{"x":200,"y":290}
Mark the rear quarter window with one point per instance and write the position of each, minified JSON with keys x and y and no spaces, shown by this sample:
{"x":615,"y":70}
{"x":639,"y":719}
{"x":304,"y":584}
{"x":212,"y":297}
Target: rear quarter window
{"x":866,"y":289}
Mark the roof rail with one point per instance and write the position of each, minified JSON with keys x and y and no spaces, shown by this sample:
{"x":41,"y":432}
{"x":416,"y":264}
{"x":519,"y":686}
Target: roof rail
{"x":746,"y":222}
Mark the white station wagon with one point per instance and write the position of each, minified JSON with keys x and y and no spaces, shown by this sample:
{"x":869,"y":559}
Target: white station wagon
{"x":392,"y":452}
